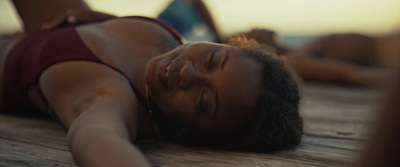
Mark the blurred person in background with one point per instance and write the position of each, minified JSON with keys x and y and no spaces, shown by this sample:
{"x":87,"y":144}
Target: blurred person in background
{"x":351,"y":58}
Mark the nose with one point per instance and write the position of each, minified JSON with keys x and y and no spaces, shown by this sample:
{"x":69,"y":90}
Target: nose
{"x":189,"y":76}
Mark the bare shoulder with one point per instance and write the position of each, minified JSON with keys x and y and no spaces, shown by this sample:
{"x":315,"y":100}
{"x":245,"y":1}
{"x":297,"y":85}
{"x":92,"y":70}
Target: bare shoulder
{"x":124,"y":37}
{"x":135,"y":30}
{"x":148,"y":31}
{"x":137,"y":24}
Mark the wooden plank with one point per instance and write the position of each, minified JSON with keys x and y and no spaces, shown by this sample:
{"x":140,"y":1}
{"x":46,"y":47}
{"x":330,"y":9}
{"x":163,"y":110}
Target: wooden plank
{"x":23,"y":147}
{"x":322,"y":108}
{"x":313,"y":151}
{"x":340,"y":103}
{"x":339,"y":112}
{"x":43,"y":132}
{"x":33,"y":142}
{"x":337,"y":121}
{"x":166,"y":154}
{"x":337,"y":129}
{"x":336,"y":143}
{"x":346,"y":93}
{"x":26,"y":154}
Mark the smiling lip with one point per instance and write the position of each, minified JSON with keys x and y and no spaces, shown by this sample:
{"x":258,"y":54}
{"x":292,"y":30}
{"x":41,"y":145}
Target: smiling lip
{"x":162,"y":72}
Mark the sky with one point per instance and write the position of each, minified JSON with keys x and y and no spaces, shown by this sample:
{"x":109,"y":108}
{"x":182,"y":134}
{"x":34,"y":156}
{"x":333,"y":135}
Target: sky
{"x":310,"y":17}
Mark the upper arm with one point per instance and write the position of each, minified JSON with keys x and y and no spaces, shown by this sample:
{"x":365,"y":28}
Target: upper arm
{"x":100,"y":109}
{"x":91,"y":93}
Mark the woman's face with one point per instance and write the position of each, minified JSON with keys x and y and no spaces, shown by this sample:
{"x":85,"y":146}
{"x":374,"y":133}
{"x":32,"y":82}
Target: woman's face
{"x":203,"y":85}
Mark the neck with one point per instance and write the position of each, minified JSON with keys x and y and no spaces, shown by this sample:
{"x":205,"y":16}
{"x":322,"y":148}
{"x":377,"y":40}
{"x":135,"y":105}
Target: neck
{"x":139,"y":83}
{"x":146,"y":121}
{"x":146,"y":125}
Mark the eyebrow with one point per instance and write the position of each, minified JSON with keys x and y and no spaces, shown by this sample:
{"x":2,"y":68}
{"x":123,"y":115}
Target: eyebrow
{"x":216,"y":92}
{"x":216,"y":103}
{"x":225,"y":60}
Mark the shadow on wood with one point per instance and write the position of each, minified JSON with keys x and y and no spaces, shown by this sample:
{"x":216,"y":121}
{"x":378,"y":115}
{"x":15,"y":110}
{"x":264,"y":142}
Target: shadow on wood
{"x":337,"y":121}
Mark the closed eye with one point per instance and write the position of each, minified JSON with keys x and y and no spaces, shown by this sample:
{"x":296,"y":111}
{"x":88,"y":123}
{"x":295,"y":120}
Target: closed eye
{"x":210,"y":62}
{"x":201,"y":104}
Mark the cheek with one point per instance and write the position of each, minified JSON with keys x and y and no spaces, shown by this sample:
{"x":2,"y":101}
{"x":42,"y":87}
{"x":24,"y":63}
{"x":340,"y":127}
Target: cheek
{"x":180,"y":107}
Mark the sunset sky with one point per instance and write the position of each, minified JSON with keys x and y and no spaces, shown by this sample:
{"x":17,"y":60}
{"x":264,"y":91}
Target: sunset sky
{"x":284,"y":16}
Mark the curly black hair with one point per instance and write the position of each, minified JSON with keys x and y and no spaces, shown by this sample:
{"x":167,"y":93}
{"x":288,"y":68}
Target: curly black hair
{"x":275,"y":124}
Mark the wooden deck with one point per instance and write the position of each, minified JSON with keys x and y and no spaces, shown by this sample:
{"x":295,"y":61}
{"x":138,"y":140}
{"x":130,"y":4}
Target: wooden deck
{"x":337,"y":122}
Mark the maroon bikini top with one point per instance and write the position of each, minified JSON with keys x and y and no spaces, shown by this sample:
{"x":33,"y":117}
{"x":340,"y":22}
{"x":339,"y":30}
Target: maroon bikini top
{"x":41,"y":49}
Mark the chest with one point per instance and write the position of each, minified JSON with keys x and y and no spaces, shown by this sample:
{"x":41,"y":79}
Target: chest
{"x":128,"y":43}
{"x":125,"y":40}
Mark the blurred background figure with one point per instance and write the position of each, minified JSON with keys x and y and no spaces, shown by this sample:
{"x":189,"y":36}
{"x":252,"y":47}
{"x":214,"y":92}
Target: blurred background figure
{"x":333,"y":42}
{"x":349,"y":58}
{"x":358,"y":49}
{"x":346,"y":58}
{"x":191,"y":19}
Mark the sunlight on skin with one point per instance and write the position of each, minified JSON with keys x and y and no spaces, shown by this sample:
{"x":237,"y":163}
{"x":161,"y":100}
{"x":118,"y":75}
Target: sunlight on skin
{"x":284,"y":16}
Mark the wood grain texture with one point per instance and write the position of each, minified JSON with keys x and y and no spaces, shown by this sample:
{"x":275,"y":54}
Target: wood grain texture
{"x":337,"y":123}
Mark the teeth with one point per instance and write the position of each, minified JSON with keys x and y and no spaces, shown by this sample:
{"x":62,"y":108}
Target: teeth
{"x":168,"y":68}
{"x":167,"y":71}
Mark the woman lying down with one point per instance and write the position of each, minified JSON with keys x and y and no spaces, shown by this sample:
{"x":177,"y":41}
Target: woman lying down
{"x":114,"y":80}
